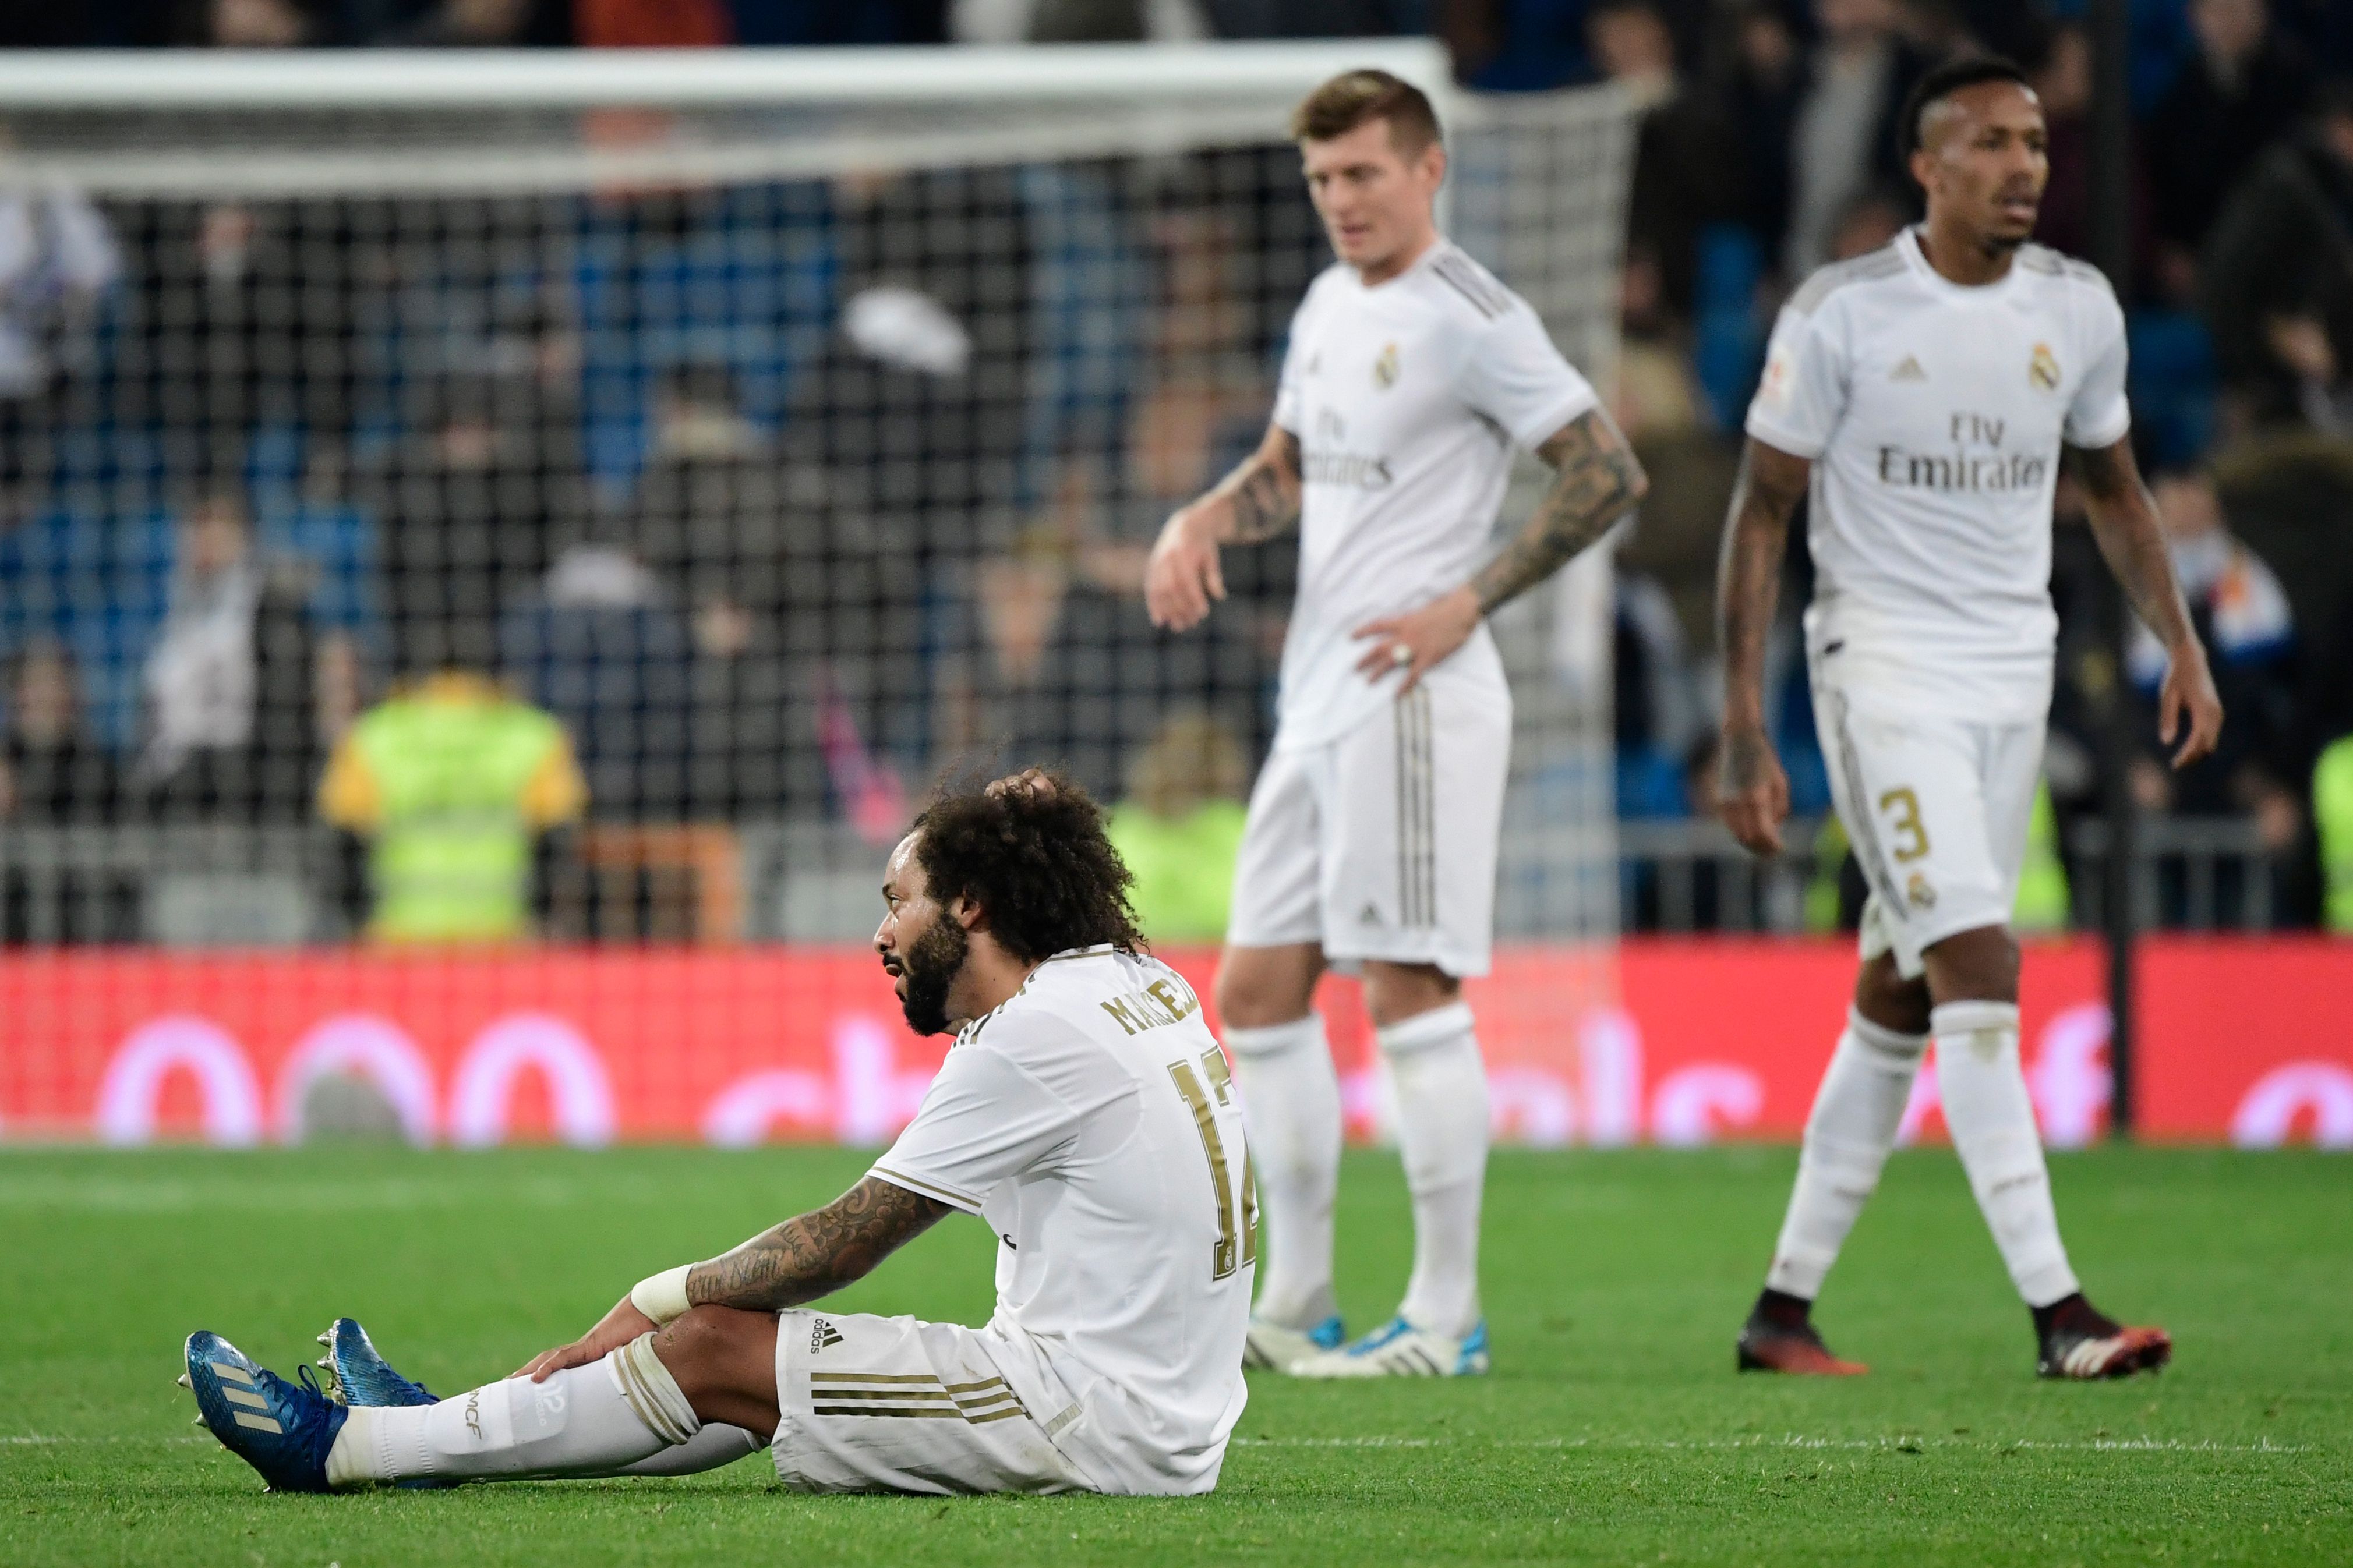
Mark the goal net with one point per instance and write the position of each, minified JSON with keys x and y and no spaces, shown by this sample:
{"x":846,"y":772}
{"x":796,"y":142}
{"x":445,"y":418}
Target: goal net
{"x":786,"y":428}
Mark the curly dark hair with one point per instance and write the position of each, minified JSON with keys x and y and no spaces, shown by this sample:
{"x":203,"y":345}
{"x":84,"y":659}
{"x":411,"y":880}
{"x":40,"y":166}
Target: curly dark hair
{"x":1032,"y":852}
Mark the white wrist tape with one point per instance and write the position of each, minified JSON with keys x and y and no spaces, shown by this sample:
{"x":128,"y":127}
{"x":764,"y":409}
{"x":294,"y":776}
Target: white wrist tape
{"x":663,"y":1296}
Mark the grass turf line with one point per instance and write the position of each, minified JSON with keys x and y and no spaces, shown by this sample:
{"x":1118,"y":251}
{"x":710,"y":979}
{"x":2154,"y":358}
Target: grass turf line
{"x":1613,"y":1428}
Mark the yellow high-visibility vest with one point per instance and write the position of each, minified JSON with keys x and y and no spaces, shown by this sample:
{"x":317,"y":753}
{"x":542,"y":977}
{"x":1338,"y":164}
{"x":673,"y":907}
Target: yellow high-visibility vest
{"x":452,"y":782}
{"x":2332,"y":819}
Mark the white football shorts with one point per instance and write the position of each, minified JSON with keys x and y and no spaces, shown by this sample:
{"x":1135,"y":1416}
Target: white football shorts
{"x":1382,"y":844}
{"x":897,"y":1405}
{"x":1937,"y":810}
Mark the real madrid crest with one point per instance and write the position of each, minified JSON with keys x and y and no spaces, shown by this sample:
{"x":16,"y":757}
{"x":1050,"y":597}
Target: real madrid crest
{"x":2043,"y":370}
{"x":1921,"y":891}
{"x":1385,"y":369}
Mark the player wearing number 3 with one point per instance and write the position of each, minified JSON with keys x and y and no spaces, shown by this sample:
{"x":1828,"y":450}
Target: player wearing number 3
{"x":1410,"y":377}
{"x":1921,"y":396}
{"x":1084,"y":1114}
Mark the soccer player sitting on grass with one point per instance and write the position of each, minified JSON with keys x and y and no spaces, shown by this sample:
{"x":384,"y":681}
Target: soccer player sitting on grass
{"x":1084,"y":1113}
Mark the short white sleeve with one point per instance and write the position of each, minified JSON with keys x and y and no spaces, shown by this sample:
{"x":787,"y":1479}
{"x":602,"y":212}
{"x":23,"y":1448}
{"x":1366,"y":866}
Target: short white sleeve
{"x":1802,"y":395}
{"x":1514,"y":376}
{"x":2098,"y":416}
{"x":984,"y":1120}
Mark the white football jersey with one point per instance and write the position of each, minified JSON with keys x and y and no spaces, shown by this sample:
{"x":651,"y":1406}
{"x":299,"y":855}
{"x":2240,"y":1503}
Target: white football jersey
{"x":1934,"y":414}
{"x":1407,"y":398}
{"x":1092,"y":1123}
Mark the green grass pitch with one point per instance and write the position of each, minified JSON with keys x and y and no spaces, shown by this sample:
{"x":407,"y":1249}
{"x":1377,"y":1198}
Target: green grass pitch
{"x":1613,"y":1428}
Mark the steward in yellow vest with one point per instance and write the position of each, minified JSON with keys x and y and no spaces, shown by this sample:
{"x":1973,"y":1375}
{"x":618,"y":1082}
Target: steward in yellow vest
{"x":2332,"y":820}
{"x":452,"y":780}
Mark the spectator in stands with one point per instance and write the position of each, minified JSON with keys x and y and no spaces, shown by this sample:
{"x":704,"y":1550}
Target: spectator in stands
{"x":235,"y":681}
{"x":248,"y":314}
{"x":2244,"y":89}
{"x":2332,"y":813}
{"x":1665,"y":620}
{"x":1843,"y":142}
{"x":202,"y":678}
{"x":261,"y":23}
{"x":2062,"y":80}
{"x":753,"y":568}
{"x":1759,"y":86}
{"x":57,"y":258}
{"x":452,"y":781}
{"x":474,"y":508}
{"x":2279,"y":277}
{"x":1685,"y":159}
{"x":460,"y":24}
{"x":600,"y":646}
{"x":1180,"y":827}
{"x":2242,"y":616}
{"x":1048,"y":656}
{"x":651,"y":24}
{"x":53,"y":770}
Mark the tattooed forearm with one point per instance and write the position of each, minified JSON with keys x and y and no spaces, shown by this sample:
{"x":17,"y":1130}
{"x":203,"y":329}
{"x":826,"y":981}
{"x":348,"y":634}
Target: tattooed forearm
{"x":1263,"y":489}
{"x":1597,"y":482}
{"x":1748,"y":573}
{"x":818,"y":1253}
{"x":2124,"y":521}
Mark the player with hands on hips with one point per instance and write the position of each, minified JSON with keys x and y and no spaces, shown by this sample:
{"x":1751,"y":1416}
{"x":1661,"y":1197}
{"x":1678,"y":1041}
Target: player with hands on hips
{"x":1410,"y":377}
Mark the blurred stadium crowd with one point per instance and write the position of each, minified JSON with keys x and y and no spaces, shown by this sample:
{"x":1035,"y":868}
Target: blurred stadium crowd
{"x":265,"y":467}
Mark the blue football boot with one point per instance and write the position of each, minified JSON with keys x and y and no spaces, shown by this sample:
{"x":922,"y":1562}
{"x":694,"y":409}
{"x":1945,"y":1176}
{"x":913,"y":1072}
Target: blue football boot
{"x":283,"y":1429}
{"x":358,"y":1373}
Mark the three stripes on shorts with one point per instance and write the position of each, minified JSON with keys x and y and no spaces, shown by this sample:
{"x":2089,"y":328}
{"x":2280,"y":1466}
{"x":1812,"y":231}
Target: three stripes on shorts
{"x":911,"y":1393}
{"x":1417,"y":837}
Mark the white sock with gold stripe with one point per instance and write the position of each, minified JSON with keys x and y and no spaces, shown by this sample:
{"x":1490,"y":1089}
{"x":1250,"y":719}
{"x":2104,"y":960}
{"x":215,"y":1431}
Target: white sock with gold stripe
{"x":584,"y":1421}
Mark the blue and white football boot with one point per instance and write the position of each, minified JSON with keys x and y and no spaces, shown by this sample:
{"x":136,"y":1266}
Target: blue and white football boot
{"x":283,"y":1429}
{"x":1398,"y":1349}
{"x":1281,"y":1347}
{"x":358,"y":1373}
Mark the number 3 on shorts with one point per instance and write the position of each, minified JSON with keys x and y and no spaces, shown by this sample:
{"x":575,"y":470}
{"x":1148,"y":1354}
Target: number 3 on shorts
{"x":1237,"y":1241}
{"x":1906,"y":822}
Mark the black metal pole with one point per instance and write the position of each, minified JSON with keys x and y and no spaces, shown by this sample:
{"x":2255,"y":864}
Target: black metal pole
{"x":2111,"y":232}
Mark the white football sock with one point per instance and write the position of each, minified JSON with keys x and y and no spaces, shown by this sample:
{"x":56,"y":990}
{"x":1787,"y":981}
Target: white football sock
{"x":717,"y":1443}
{"x":1991,"y":1118}
{"x":1441,"y":1111}
{"x":1849,"y":1131}
{"x":1290,"y":1105}
{"x":582,"y":1421}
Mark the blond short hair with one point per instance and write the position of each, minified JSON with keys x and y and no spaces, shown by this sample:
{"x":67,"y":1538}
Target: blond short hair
{"x":1359,"y":97}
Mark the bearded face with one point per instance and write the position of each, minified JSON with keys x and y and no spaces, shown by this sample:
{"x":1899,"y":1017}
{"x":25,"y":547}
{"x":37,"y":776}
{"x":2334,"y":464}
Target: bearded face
{"x":928,"y":967}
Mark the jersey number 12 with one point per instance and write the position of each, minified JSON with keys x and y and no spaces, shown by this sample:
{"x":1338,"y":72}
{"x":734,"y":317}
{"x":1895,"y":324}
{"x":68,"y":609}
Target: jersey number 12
{"x":1236,"y":1220}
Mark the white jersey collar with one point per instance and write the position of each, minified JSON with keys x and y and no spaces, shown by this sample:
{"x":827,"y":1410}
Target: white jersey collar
{"x":1908,"y":245}
{"x":1429,"y":253}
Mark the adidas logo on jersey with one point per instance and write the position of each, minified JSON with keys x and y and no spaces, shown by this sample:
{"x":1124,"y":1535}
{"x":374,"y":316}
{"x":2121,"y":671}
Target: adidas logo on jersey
{"x":1908,"y":370}
{"x":1370,"y":916}
{"x":821,"y":1334}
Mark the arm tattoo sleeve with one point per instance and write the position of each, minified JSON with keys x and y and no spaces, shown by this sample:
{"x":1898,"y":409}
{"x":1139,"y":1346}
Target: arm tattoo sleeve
{"x":1264,"y":491}
{"x":2123,"y":522}
{"x":1598,"y":481}
{"x":818,"y":1253}
{"x":1748,"y":572}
